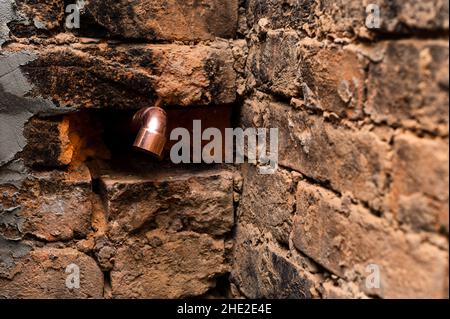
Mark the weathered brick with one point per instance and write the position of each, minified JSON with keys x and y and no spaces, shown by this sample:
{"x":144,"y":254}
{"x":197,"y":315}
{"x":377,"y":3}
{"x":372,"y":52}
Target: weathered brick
{"x":263,"y":271}
{"x":344,"y":18}
{"x":51,"y":206}
{"x":332,"y":79}
{"x":167,"y":20}
{"x":347,"y":159}
{"x":48,"y":143}
{"x":268,"y":201}
{"x":41,"y":274}
{"x":167,"y":265}
{"x":345,"y":238}
{"x":166,"y":230}
{"x":329,"y":78}
{"x":409,"y":87}
{"x":291,"y":14}
{"x":347,"y":18}
{"x":131,"y":76}
{"x":144,"y":19}
{"x":273,"y":63}
{"x":201,"y":201}
{"x":419,"y":190}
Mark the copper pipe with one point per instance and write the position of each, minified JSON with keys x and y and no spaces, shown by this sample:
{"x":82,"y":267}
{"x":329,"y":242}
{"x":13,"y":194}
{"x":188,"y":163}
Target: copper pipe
{"x":152,"y":125}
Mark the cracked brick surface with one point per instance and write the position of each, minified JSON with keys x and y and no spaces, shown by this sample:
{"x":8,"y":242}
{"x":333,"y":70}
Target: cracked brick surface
{"x":363,"y":149}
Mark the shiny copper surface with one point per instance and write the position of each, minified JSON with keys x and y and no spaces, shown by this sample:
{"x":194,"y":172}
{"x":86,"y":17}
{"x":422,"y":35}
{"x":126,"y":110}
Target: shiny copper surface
{"x":152,"y":126}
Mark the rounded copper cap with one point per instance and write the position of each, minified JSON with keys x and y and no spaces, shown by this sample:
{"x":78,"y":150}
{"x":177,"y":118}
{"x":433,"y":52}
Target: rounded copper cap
{"x":152,"y":133}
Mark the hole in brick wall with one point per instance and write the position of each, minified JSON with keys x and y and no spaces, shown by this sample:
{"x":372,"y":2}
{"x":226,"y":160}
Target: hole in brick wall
{"x":86,"y":138}
{"x":103,"y":141}
{"x":102,"y":137}
{"x":118,"y":135}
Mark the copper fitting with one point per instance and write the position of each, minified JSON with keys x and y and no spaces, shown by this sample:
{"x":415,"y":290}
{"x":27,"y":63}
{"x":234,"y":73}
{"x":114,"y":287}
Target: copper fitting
{"x":152,"y":123}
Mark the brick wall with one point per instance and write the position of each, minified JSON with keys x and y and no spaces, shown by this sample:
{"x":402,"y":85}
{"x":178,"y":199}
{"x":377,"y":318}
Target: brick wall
{"x":363,"y":118}
{"x":73,"y":190}
{"x":363,"y":177}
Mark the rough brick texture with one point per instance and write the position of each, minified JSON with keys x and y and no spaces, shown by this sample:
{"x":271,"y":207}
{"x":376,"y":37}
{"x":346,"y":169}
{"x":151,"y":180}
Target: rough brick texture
{"x":363,"y":172}
{"x":264,"y":271}
{"x":348,"y":159}
{"x":202,"y":202}
{"x":162,"y":265}
{"x":363,"y":148}
{"x":167,"y":230}
{"x":167,"y":20}
{"x":345,"y":238}
{"x":346,"y":18}
{"x":128,"y":76}
{"x":418,"y":98}
{"x":53,"y":206}
{"x":42,"y":274}
{"x":420,"y":197}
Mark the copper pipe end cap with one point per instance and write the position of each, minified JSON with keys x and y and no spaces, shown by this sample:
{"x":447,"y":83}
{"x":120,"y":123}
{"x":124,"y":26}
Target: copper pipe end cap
{"x":150,"y":142}
{"x":152,"y":135}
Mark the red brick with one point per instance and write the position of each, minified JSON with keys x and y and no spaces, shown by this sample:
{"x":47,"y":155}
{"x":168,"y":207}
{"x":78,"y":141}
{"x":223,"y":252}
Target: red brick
{"x":349,"y":160}
{"x":133,"y":76}
{"x":167,"y":265}
{"x":419,"y":190}
{"x":41,"y":274}
{"x":199,"y":201}
{"x":345,"y":238}
{"x":51,"y":206}
{"x":409,"y":87}
{"x":168,"y":20}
